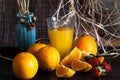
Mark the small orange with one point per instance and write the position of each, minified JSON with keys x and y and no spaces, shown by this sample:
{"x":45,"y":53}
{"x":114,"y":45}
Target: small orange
{"x":78,"y":65}
{"x":74,"y":54}
{"x":48,"y":58}
{"x":86,"y":43}
{"x":35,"y":47}
{"x":64,"y":72}
{"x":25,"y":65}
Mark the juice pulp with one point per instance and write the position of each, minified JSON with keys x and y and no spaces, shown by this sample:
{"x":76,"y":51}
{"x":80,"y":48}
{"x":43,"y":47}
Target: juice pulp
{"x":61,"y":39}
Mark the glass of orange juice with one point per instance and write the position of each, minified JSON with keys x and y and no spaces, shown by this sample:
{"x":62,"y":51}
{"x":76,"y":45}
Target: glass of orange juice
{"x":61,"y":34}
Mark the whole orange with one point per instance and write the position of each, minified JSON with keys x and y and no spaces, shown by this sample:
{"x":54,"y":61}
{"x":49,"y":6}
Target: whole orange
{"x":86,"y":43}
{"x":35,"y":47}
{"x":25,"y":65}
{"x":48,"y":58}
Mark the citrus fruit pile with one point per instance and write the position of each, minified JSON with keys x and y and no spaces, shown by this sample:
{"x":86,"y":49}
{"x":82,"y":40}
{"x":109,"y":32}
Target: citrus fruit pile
{"x":72,"y":63}
{"x":78,"y":61}
{"x":83,"y":59}
{"x":47,"y":58}
{"x":25,"y":64}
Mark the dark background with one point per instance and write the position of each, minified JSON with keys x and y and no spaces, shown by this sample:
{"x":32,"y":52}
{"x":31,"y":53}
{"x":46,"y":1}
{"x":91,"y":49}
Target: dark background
{"x":42,"y":9}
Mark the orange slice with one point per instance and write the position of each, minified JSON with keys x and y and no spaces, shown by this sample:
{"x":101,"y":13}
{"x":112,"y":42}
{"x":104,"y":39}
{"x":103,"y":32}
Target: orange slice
{"x":74,"y":54}
{"x":66,"y":62}
{"x":64,"y":72}
{"x":88,"y":68}
{"x":78,"y":65}
{"x":83,"y":54}
{"x":101,"y":59}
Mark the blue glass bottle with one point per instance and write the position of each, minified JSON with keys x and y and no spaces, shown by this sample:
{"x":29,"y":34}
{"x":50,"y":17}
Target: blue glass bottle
{"x":25,"y":37}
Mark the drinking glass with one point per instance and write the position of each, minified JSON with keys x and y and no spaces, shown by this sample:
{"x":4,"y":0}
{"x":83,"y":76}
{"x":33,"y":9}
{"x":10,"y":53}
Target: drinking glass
{"x":61,"y":34}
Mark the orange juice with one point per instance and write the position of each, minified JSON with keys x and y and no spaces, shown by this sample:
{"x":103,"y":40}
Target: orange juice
{"x":61,"y":38}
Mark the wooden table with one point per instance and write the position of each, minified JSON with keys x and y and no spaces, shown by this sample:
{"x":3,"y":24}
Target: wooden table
{"x":7,"y":74}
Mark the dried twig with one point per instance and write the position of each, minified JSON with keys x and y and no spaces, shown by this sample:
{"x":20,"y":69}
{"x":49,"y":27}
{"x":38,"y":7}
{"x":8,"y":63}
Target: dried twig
{"x":23,"y":6}
{"x":92,"y":15}
{"x":3,"y":57}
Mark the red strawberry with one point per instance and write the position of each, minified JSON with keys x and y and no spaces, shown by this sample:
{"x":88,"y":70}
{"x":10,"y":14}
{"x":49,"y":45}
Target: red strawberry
{"x":106,"y":66}
{"x":94,"y":61}
{"x":98,"y":71}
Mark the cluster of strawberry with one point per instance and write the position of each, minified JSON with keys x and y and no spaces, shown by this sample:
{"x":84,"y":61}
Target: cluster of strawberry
{"x":100,"y":67}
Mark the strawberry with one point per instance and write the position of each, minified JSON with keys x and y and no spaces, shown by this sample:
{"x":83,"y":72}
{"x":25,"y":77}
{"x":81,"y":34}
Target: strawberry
{"x":97,"y":71}
{"x":106,"y":66}
{"x":94,"y":61}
